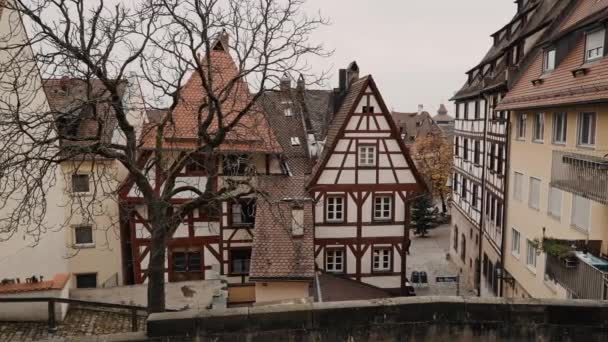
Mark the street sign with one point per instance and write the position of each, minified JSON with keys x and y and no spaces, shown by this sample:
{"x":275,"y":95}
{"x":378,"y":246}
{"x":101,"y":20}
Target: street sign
{"x":446,"y":279}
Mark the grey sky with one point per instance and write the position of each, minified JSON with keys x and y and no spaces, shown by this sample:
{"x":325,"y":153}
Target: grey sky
{"x":417,"y":50}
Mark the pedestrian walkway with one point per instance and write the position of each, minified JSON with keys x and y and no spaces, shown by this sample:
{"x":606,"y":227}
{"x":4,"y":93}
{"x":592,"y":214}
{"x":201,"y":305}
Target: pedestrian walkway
{"x":429,"y":254}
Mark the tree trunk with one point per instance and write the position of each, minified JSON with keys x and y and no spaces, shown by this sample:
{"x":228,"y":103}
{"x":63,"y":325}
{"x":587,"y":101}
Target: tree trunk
{"x":156,"y":266}
{"x":444,"y":207}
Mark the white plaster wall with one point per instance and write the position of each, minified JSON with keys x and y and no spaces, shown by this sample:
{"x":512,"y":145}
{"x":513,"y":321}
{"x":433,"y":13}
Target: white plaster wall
{"x":24,"y":254}
{"x":380,"y":231}
{"x":329,"y":232}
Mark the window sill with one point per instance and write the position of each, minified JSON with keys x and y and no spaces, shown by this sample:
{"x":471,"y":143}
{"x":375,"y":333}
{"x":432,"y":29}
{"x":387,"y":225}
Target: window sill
{"x":334,"y":222}
{"x":515,"y":255}
{"x":559,"y":143}
{"x":81,"y":194}
{"x":586,"y":147}
{"x":579,"y":229}
{"x":520,"y":139}
{"x":366,"y":166}
{"x":535,"y":141}
{"x":554,"y":217}
{"x":533,"y":208}
{"x":83,"y":245}
{"x":531,"y":268}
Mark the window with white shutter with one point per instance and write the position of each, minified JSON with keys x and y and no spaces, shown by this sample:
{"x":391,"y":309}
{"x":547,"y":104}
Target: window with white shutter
{"x":581,"y":212}
{"x":595,"y":45}
{"x":555,"y":202}
{"x":518,"y":183}
{"x":534,"y":199}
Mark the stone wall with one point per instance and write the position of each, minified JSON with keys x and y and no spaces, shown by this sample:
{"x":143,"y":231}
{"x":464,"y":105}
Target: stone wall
{"x":397,"y":319}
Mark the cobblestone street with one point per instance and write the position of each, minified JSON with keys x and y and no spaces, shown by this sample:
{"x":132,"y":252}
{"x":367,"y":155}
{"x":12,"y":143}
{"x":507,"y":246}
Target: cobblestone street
{"x":429,"y":254}
{"x":78,"y":322}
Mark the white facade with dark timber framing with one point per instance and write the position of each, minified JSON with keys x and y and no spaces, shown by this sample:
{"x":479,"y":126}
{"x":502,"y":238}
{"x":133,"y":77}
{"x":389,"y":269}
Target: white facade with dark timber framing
{"x":362,"y":186}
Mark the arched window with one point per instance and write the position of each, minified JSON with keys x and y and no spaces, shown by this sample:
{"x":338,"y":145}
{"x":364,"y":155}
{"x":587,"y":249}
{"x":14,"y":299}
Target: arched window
{"x":463,"y":247}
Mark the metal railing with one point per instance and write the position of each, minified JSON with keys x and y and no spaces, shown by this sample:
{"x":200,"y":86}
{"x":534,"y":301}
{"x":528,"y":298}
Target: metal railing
{"x":583,"y":280}
{"x":584,"y":174}
{"x":52,"y":320}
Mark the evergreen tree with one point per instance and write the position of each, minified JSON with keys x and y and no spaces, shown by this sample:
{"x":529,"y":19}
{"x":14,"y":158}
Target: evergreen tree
{"x":423,"y":215}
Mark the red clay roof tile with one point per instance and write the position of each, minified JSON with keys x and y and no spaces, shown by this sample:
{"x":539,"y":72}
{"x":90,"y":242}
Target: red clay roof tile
{"x":57,"y":283}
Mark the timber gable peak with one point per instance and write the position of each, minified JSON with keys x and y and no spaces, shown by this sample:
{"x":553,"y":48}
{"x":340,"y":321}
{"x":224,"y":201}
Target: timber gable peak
{"x":364,"y":121}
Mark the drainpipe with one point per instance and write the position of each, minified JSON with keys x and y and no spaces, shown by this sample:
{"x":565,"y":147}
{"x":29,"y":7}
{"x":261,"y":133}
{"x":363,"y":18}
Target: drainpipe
{"x":505,"y":201}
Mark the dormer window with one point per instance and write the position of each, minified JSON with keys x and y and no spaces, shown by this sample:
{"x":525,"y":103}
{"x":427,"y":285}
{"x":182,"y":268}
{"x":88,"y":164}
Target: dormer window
{"x":295,"y":141}
{"x":368,"y":109}
{"x":594,"y":47}
{"x":288,"y":111}
{"x":549,"y":63}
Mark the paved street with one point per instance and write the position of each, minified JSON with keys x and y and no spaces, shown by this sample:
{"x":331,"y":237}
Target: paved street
{"x":429,"y":254}
{"x":78,"y":322}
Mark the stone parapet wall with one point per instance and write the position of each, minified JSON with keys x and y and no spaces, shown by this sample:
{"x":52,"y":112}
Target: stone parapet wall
{"x":395,"y":319}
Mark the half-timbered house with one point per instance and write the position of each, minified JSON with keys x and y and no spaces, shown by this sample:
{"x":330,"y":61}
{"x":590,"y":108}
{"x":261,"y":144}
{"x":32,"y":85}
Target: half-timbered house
{"x":362,"y":186}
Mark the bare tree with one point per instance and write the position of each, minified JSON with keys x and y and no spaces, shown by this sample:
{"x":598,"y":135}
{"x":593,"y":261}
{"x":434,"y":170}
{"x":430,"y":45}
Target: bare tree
{"x":162,"y":43}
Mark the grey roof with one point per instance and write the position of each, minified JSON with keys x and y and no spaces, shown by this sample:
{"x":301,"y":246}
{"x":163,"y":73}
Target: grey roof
{"x":310,"y":113}
{"x":543,"y":12}
{"x":442,"y":115}
{"x":414,"y":124}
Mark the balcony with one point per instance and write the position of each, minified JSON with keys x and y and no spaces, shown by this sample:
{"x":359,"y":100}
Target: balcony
{"x":584,"y":275}
{"x":584,"y":174}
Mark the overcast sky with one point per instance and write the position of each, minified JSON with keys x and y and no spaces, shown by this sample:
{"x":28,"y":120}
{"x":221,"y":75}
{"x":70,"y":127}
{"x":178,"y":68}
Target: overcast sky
{"x":417,"y":50}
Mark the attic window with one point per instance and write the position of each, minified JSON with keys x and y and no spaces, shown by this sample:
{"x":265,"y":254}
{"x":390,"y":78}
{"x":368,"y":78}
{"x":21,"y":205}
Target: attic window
{"x":549,"y":63}
{"x":288,"y":112}
{"x":368,"y":109}
{"x":295,"y":141}
{"x":297,"y":221}
{"x":595,"y":45}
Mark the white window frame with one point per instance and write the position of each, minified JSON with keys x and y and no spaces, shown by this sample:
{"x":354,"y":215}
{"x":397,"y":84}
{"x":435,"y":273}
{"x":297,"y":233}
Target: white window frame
{"x":595,"y":51}
{"x":288,"y":112}
{"x":518,"y":187}
{"x":560,"y":137}
{"x":83,"y":244}
{"x":331,"y":257}
{"x":382,"y":261}
{"x":382,"y":214}
{"x":367,"y":155}
{"x":549,"y":60}
{"x":331,"y":208}
{"x":530,"y":194}
{"x":515,"y":242}
{"x":556,"y":195}
{"x":531,"y":256}
{"x":538,"y":134}
{"x":590,"y":135}
{"x":578,"y":225}
{"x":295,"y":141}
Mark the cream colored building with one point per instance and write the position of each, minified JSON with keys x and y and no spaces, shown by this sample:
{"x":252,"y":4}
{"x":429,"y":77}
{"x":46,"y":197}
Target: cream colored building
{"x":551,"y":196}
{"x":27,"y":247}
{"x":557,"y":241}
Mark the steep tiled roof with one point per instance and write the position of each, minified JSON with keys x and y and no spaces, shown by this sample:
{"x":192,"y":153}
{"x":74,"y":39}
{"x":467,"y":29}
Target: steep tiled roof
{"x":252,"y":132}
{"x":340,"y":117}
{"x":57,"y":283}
{"x":560,"y":87}
{"x":72,"y":106}
{"x":276,"y":253}
{"x":287,"y":128}
{"x":541,"y":14}
{"x":414,"y":124}
{"x":335,"y":288}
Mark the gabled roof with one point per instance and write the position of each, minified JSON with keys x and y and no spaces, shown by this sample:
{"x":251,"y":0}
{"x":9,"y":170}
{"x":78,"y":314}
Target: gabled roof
{"x":276,"y":253}
{"x":72,"y":102}
{"x":544,"y":12}
{"x":339,"y":122}
{"x":252,"y":134}
{"x":561,"y":87}
{"x":415,"y":124}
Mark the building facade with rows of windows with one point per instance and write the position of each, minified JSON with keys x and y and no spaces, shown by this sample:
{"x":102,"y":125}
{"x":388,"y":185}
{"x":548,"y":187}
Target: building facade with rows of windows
{"x":481,"y":147}
{"x":556,"y":238}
